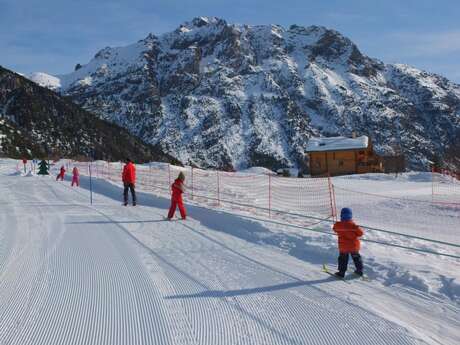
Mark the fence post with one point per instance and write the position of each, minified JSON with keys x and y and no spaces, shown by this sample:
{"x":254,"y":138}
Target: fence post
{"x":90,"y":184}
{"x":192,"y":182}
{"x":218,"y":188}
{"x":169,"y":175}
{"x":269,"y":196}
{"x":335,"y":204}
{"x":332,"y":197}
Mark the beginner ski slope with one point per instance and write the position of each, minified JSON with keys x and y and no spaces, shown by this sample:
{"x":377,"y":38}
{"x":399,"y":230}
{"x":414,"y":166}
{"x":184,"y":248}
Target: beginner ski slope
{"x":72,"y":273}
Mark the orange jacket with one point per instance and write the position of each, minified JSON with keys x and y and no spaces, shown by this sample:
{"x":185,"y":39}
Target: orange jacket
{"x":348,"y":233}
{"x":129,"y":173}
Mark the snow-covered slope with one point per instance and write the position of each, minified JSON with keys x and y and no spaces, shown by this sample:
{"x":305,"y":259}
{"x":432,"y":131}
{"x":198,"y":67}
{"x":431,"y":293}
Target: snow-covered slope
{"x":72,"y":273}
{"x":225,"y":95}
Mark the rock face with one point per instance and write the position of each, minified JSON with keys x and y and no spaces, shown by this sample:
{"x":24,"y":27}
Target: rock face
{"x":36,"y":122}
{"x":233,"y":96}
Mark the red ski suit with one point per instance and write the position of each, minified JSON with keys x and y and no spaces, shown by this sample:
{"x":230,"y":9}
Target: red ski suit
{"x":176,"y":199}
{"x":61,"y":174}
{"x":349,"y":234}
{"x":75,"y":177}
{"x":129,"y":174}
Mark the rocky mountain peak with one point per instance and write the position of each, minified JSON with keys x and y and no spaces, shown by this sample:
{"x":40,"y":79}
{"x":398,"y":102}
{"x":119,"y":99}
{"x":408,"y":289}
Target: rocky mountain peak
{"x":216,"y":94}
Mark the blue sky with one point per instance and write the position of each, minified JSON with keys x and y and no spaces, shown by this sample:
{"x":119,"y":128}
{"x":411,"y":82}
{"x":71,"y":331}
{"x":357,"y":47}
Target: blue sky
{"x":53,"y":35}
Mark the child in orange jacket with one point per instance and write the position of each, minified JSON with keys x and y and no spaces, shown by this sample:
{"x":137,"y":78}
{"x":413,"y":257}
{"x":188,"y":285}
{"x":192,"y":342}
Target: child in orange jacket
{"x":349,"y":244}
{"x":176,"y":198}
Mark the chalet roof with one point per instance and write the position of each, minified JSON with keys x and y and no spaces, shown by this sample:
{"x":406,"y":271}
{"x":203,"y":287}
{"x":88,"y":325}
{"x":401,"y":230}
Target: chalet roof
{"x":337,"y":144}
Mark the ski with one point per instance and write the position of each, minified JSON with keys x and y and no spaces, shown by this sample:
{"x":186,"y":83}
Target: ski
{"x":326,"y":270}
{"x":173,"y":219}
{"x":363,"y":277}
{"x":345,"y":279}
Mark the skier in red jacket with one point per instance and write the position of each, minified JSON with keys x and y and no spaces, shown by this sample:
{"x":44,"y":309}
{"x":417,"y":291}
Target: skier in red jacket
{"x":177,"y":188}
{"x":349,"y":244}
{"x":61,"y":174}
{"x":75,"y":177}
{"x":129,"y":181}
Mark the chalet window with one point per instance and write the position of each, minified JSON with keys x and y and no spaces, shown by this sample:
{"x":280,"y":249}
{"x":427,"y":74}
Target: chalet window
{"x":361,"y":152}
{"x":340,"y":163}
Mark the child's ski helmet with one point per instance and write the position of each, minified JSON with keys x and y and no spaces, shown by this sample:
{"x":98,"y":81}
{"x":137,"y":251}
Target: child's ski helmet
{"x":346,"y":214}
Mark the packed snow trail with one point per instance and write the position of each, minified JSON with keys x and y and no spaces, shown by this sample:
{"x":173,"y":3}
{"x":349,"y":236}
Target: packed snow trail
{"x":71,"y":273}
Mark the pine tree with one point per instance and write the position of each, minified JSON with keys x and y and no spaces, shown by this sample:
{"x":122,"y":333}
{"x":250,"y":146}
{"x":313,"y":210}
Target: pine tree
{"x":43,"y":167}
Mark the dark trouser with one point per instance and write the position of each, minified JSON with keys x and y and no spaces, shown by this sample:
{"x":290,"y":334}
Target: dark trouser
{"x":133,"y":192}
{"x":343,"y":262}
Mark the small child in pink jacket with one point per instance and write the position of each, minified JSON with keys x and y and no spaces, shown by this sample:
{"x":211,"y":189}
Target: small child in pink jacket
{"x":75,"y":177}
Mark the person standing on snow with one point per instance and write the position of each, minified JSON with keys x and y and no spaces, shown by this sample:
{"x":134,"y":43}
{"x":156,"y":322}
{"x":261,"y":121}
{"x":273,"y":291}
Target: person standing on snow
{"x":349,"y":244}
{"x":61,"y":174}
{"x":75,"y":177}
{"x":129,"y":181}
{"x":177,"y":189}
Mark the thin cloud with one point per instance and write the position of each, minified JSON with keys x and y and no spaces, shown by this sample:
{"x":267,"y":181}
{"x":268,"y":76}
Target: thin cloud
{"x":428,"y":44}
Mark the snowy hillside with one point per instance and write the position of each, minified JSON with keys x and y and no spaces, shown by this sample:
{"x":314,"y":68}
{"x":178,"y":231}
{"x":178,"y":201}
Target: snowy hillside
{"x":75,"y":273}
{"x":234,"y":96}
{"x":35,"y":122}
{"x":45,"y":80}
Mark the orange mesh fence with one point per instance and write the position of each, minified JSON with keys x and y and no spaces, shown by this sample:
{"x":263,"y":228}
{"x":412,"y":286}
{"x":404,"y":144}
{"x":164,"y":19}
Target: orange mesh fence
{"x":409,"y":212}
{"x":264,"y":195}
{"x":446,"y":187}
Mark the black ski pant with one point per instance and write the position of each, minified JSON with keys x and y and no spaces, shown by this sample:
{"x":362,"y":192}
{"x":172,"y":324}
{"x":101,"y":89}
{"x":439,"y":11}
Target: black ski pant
{"x":129,"y":186}
{"x":343,"y":262}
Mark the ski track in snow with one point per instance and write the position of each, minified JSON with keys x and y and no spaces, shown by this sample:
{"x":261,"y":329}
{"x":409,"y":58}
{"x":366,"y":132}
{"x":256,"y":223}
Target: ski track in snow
{"x":71,"y":273}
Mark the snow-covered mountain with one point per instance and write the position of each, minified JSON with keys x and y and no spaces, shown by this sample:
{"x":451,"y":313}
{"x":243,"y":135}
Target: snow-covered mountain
{"x":223,"y":95}
{"x":36,"y":122}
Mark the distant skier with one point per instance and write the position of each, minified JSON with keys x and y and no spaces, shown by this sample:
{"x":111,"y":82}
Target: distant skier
{"x":129,"y":181}
{"x":61,"y":174}
{"x":24,"y":162}
{"x":75,"y":177}
{"x":177,"y":189}
{"x":349,"y":243}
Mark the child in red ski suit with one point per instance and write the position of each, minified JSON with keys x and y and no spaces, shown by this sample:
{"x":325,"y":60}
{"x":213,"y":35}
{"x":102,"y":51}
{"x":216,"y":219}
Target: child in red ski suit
{"x":349,"y":244}
{"x":177,"y":188}
{"x":75,"y":177}
{"x":61,"y":174}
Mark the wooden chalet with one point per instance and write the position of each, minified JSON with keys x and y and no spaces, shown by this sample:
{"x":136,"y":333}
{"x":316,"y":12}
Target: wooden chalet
{"x":342,"y":156}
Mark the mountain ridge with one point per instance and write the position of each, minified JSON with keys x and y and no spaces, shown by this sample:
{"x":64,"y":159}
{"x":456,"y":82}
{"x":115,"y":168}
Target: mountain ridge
{"x":231,"y":96}
{"x":36,"y":122}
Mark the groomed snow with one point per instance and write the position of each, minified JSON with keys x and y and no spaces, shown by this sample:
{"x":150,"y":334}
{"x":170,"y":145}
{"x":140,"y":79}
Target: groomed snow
{"x":75,"y":273}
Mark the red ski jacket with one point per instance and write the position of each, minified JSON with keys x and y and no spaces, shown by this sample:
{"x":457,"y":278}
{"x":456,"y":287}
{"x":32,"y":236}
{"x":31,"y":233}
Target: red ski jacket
{"x":349,"y":234}
{"x":129,"y":173}
{"x":177,"y":189}
{"x":62,"y":171}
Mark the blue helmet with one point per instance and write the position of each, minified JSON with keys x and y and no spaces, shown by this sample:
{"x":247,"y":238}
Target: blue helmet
{"x":346,"y":214}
